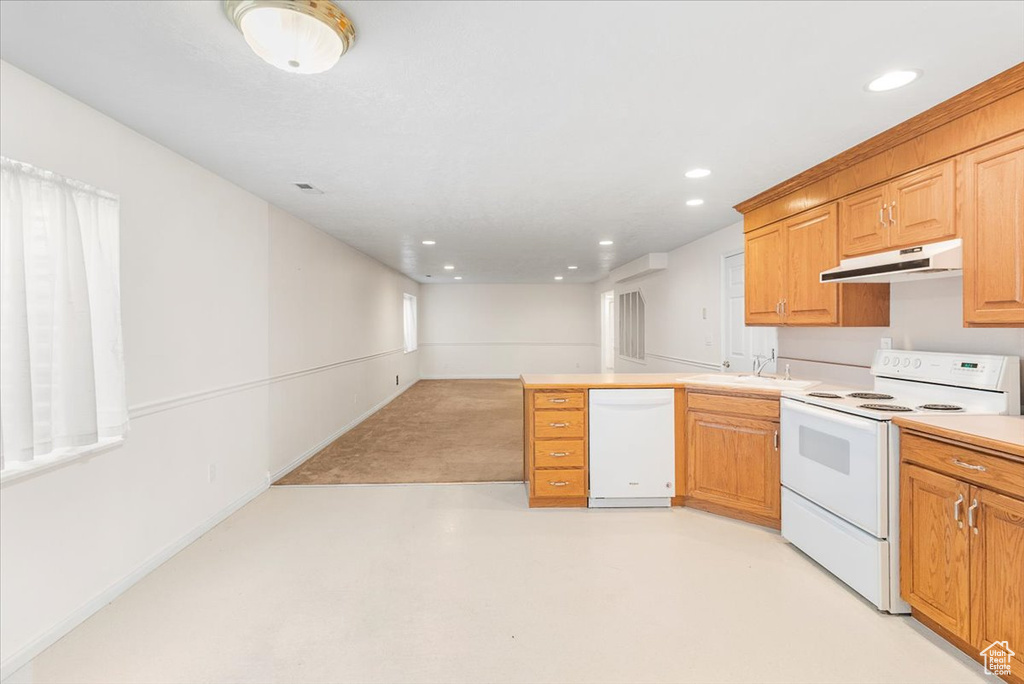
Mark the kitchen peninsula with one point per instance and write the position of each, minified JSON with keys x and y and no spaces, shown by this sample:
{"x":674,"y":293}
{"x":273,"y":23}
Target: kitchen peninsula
{"x":726,"y":439}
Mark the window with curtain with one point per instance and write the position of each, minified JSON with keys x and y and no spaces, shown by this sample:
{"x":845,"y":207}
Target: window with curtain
{"x":409,"y":318}
{"x":61,"y":356}
{"x":632,"y":326}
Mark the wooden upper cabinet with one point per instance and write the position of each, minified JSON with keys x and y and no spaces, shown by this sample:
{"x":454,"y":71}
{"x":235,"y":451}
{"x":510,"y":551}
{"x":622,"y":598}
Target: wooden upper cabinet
{"x":764,"y":278}
{"x":997,"y":572}
{"x":864,"y":221}
{"x":911,"y":210}
{"x":991,"y":217}
{"x":934,"y":558}
{"x":923,"y":206}
{"x":810,"y":240}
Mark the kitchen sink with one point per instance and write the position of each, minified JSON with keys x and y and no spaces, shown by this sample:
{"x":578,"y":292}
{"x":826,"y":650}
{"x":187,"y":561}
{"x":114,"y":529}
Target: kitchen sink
{"x":763,"y":382}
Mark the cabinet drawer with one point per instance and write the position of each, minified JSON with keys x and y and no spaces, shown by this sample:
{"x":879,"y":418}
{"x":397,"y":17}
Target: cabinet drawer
{"x":962,"y":463}
{"x":742,"y":406}
{"x":559,"y":483}
{"x":558,"y":424}
{"x":567,"y":453}
{"x":559,"y":400}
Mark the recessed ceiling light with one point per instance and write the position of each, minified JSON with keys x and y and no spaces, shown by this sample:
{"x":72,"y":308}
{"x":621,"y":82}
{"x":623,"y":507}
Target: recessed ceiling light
{"x":429,"y":242}
{"x":694,"y":202}
{"x":697,"y":173}
{"x":893,"y":79}
{"x":605,"y":243}
{"x":458,"y":277}
{"x":558,"y":277}
{"x":299,"y":37}
{"x":572,"y":268}
{"x":449,"y":267}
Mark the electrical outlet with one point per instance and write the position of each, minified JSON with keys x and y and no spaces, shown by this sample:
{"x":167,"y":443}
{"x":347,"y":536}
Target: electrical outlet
{"x":212,"y":472}
{"x":886,"y":343}
{"x":709,"y":341}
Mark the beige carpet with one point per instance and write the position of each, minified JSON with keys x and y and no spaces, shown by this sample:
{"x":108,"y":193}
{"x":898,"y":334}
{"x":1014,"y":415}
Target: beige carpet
{"x":437,"y":431}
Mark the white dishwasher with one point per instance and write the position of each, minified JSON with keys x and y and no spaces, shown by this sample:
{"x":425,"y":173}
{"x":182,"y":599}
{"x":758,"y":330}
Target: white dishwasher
{"x":632,"y":447}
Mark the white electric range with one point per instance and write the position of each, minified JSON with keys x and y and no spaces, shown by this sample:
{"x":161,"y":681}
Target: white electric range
{"x":840,"y":458}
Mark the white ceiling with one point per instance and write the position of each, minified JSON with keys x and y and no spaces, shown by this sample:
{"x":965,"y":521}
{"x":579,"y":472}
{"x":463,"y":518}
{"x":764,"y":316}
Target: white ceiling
{"x":517,"y":135}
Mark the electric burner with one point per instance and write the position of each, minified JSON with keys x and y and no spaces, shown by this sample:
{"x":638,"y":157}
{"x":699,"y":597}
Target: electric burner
{"x":886,"y":407}
{"x":869,"y":395}
{"x":941,"y":407}
{"x":824,"y":395}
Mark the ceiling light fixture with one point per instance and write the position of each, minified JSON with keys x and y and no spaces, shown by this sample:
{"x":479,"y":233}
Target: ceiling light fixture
{"x":558,"y":277}
{"x":572,"y":268}
{"x":605,"y":243}
{"x":449,"y":267}
{"x":458,"y":277}
{"x":429,"y":242}
{"x":298,"y":36}
{"x":893,"y":79}
{"x":694,"y":202}
{"x":697,"y":173}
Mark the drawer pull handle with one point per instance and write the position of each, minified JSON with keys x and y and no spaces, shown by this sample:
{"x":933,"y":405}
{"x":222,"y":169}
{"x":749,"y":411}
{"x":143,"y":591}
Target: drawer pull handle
{"x":558,"y":454}
{"x":560,"y":483}
{"x":558,"y":401}
{"x":979,"y":468}
{"x":558,"y":425}
{"x":956,"y":511}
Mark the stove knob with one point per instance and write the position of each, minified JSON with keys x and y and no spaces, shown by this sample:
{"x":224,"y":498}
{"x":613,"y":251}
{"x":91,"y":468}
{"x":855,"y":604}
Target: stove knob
{"x":885,"y":360}
{"x":906,"y":363}
{"x":917,"y":363}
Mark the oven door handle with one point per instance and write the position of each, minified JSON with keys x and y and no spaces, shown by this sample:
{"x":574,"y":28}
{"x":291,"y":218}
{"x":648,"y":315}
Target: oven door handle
{"x":832,"y":415}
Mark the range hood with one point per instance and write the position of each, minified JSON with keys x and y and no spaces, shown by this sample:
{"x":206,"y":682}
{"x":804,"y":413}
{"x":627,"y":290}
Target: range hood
{"x":937,"y":260}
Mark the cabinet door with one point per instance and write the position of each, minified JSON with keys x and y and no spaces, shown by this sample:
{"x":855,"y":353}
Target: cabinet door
{"x":764,"y":263}
{"x":923,"y":206}
{"x":992,"y":225}
{"x":810,"y":240}
{"x":934,"y":560}
{"x":997,"y":572}
{"x":864,"y":222}
{"x":733,"y":462}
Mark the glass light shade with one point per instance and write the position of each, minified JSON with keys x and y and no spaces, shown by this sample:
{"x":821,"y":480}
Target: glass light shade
{"x":291,"y":40}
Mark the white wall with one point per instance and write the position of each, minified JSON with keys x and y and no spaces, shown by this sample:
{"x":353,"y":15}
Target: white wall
{"x":488,"y":331}
{"x":925,"y":315}
{"x":208,"y":352}
{"x":336,"y":341}
{"x":679,"y":339}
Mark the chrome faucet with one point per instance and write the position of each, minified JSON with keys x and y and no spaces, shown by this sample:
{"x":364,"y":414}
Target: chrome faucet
{"x":760,"y":361}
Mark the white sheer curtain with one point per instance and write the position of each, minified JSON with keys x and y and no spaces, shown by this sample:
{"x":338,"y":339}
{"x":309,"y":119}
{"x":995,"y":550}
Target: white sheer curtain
{"x":409,"y":322}
{"x":61,"y":355}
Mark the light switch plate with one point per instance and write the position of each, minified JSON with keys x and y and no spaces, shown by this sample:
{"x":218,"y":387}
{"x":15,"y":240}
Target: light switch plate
{"x":886,"y":343}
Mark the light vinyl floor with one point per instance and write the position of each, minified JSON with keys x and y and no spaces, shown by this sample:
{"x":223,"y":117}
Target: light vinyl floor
{"x":464,"y":583}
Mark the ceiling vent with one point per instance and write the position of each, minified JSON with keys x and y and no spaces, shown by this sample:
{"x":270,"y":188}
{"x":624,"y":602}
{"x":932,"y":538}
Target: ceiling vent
{"x":309,"y":189}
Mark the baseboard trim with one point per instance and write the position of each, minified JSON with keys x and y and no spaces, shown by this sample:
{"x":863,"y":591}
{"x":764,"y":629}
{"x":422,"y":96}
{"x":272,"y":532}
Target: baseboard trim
{"x":22,"y":657}
{"x":316,"y":448}
{"x":469,"y":377}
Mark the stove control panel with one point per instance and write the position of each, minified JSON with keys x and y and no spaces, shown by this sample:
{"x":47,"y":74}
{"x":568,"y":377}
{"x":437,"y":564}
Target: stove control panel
{"x":962,"y":370}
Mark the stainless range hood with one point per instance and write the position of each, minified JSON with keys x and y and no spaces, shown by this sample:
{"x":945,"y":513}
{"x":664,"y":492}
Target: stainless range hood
{"x":937,"y":260}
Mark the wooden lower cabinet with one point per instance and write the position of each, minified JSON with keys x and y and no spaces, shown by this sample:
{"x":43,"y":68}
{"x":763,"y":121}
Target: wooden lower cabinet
{"x":555,"y":457}
{"x":732,"y":458}
{"x":962,"y":547}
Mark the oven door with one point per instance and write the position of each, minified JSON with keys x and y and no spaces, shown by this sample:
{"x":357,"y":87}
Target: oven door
{"x":838,"y":461}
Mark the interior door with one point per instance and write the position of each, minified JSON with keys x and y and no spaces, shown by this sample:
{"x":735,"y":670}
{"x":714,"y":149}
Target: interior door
{"x":811,"y":243}
{"x":923,"y":206}
{"x":997,"y":572}
{"x":741,"y":342}
{"x":863,"y":222}
{"x":765,"y":252}
{"x":934,"y":560}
